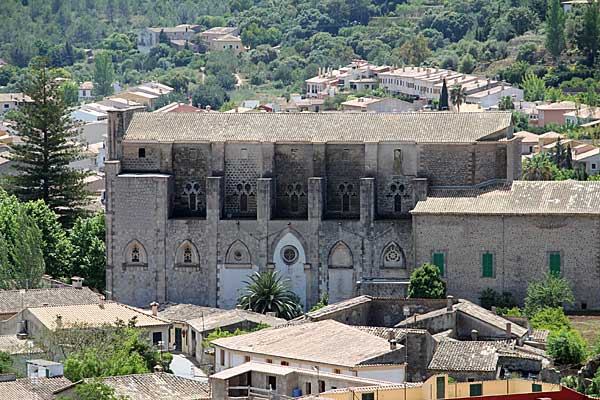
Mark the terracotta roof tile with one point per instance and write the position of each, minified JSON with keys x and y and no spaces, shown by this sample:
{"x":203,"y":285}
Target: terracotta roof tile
{"x":32,"y":389}
{"x":13,"y":301}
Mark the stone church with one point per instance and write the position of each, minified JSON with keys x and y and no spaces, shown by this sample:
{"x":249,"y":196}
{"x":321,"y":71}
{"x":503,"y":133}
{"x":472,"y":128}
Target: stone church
{"x":197,"y":202}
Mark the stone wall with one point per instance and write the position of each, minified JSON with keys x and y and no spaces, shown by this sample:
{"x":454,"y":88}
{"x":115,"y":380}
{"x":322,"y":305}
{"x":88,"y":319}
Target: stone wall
{"x":345,"y":166}
{"x":293,"y":167}
{"x":191,"y":166}
{"x":242,"y":169}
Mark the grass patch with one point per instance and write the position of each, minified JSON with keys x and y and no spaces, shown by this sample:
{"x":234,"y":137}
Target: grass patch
{"x":588,"y":326}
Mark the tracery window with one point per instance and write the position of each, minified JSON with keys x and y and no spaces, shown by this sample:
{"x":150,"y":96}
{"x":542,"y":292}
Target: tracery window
{"x":187,"y":255}
{"x":396,"y":192}
{"x":244,"y":191}
{"x":294,"y":191}
{"x":135,"y":254}
{"x":345,"y":192}
{"x":192,"y":191}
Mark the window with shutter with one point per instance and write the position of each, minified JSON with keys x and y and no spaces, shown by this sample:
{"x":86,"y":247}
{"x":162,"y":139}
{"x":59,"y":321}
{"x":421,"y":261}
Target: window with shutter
{"x":438,"y":261}
{"x":554,"y":260}
{"x":487,"y":265}
{"x":475,"y":389}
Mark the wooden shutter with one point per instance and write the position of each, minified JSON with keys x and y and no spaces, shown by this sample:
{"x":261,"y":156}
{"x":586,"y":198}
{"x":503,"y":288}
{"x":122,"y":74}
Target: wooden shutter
{"x":438,"y":260}
{"x":554,"y":263}
{"x":487,"y":265}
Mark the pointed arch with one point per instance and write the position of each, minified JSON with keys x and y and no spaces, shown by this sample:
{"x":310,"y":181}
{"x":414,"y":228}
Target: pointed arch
{"x":393,"y":256}
{"x":187,"y":254}
{"x":238,"y":253}
{"x":276,"y":239}
{"x":135,"y":254}
{"x":340,"y":256}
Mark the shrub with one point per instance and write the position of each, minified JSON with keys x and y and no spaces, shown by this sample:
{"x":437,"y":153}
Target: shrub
{"x":566,"y":347}
{"x":552,"y":291}
{"x":552,"y":319}
{"x":426,"y":283}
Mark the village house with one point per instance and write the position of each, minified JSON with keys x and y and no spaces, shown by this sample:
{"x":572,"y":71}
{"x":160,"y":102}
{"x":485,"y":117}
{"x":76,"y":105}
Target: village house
{"x":85,"y":91}
{"x":554,"y":113}
{"x":529,"y":142}
{"x":210,"y":35}
{"x":263,"y":379}
{"x":146,"y":93}
{"x":375,"y":104}
{"x":11,"y":101}
{"x":177,"y":107}
{"x":227,"y":42}
{"x":150,"y":37}
{"x":20,"y":350}
{"x":327,"y":345}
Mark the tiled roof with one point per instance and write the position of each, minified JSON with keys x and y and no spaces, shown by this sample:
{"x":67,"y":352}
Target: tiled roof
{"x":93,"y":315}
{"x":540,"y":335}
{"x":383,"y":332}
{"x":185,"y":312}
{"x":12,"y":345}
{"x":528,"y":137}
{"x":12,"y":301}
{"x":464,"y":356}
{"x":380,"y":388}
{"x":422,"y":127}
{"x":158,"y":386}
{"x":32,"y":389}
{"x":327,"y":342}
{"x":339,"y":306}
{"x":231,"y":317}
{"x":525,"y":198}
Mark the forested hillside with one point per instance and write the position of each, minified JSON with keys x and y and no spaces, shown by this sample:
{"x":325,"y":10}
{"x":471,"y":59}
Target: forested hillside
{"x":291,"y":39}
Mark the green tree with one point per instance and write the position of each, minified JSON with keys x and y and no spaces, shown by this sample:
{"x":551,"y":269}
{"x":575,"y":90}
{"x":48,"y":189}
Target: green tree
{"x":555,"y":29}
{"x":268,"y":292}
{"x":415,"y":51}
{"x":104,"y":74}
{"x":566,"y":347}
{"x":89,"y":251}
{"x":537,"y":168}
{"x":209,"y":94}
{"x":426,"y":283}
{"x":70,"y":93}
{"x":551,"y":291}
{"x":96,"y":389}
{"x":443,"y":106}
{"x":552,"y":319}
{"x":47,"y":150}
{"x":534,"y":87}
{"x":6,"y":363}
{"x":588,"y":36}
{"x":467,"y":64}
{"x":506,"y":103}
{"x":458,"y":95}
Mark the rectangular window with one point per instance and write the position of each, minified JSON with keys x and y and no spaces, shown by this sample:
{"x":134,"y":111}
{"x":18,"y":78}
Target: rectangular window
{"x":438,"y":261}
{"x":244,"y":154}
{"x":246,"y":358}
{"x":321,"y":386}
{"x":368,"y":396}
{"x":536,"y":387}
{"x":337,"y":371}
{"x":141,"y":152}
{"x":476,"y":389}
{"x":593,"y":166}
{"x":156,"y":337}
{"x":269,"y":361}
{"x":222,"y":356}
{"x":398,"y":161}
{"x":487,"y":265}
{"x":346,"y":155}
{"x":307,"y":388}
{"x":554,"y":263}
{"x":285,"y":363}
{"x":271,"y":382}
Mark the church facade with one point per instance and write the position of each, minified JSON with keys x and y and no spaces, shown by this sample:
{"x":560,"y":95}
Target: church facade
{"x":198,"y":202}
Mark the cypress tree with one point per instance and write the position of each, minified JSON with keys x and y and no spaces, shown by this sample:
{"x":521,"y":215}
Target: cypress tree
{"x":443,"y":106}
{"x":43,"y":159}
{"x":555,"y":29}
{"x":569,"y":158}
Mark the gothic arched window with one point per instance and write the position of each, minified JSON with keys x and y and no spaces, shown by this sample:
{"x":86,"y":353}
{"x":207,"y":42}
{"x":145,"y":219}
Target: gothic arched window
{"x":135,"y":254}
{"x":393,"y":256}
{"x":186,"y":254}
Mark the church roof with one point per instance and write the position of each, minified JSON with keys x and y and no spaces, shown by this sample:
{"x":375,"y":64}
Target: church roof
{"x":421,"y":127}
{"x":523,"y":198}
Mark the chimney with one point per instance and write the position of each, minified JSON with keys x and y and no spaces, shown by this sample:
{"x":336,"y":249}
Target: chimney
{"x":494,"y":310}
{"x":393,"y":344}
{"x":77,"y":282}
{"x":58,"y":321}
{"x":158,"y":368}
{"x":101,"y":303}
{"x":508,"y":330}
{"x":474,"y":334}
{"x":208,"y":108}
{"x":449,"y":303}
{"x":154,"y":306}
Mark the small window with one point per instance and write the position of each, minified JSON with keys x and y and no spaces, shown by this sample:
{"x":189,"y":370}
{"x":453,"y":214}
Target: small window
{"x":141,"y":152}
{"x":536,"y":387}
{"x":222,"y":356}
{"x":285,"y":363}
{"x":271,"y":382}
{"x":269,"y":361}
{"x":187,"y":255}
{"x":368,"y":396}
{"x":554,"y":263}
{"x":476,"y":389}
{"x":321,"y":386}
{"x":337,"y":371}
{"x":487,"y":265}
{"x":345,"y":202}
{"x":593,"y":166}
{"x":308,"y":388}
{"x":243,"y":202}
{"x":584,"y":306}
{"x":156,"y":337}
{"x":244,"y":154}
{"x":135,"y":254}
{"x":398,"y":161}
{"x":246,"y":358}
{"x":346,"y":155}
{"x":439,"y":261}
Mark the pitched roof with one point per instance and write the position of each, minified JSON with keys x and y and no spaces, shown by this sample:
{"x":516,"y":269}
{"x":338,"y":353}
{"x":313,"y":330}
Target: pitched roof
{"x":464,"y":356}
{"x":93,"y":315}
{"x":185,"y":312}
{"x":231,"y":317}
{"x":158,"y":386}
{"x":13,"y":301}
{"x":12,"y":345}
{"x":561,"y":105}
{"x":524,"y":198}
{"x":32,"y":388}
{"x":397,"y":333}
{"x":335,"y":307}
{"x":327,"y":342}
{"x":528,"y":137}
{"x":423,"y":127}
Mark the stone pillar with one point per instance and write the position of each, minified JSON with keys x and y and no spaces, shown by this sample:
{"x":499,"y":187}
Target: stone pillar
{"x":371,"y":159}
{"x":513,"y":159}
{"x":317,"y":283}
{"x":162,"y":213}
{"x":264,"y":211}
{"x":367,"y":202}
{"x":267,"y":159}
{"x":218,"y":158}
{"x":118,"y":122}
{"x":420,"y":189}
{"x":111,"y":171}
{"x":214,"y":213}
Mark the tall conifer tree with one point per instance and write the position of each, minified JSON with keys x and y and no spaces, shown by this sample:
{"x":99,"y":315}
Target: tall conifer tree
{"x":443,"y":105}
{"x":555,"y":29}
{"x":43,"y":159}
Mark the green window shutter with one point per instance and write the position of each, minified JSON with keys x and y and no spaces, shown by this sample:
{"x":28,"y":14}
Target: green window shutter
{"x":476,"y":389}
{"x":554,"y":263}
{"x":368,"y":396}
{"x":536,"y":387}
{"x":487,"y":265}
{"x":438,"y":261}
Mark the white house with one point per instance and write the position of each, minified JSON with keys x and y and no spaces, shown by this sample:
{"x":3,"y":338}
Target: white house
{"x":85,"y":91}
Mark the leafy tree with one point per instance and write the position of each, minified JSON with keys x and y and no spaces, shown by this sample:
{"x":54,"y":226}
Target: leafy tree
{"x":490,"y":298}
{"x":416,"y":51}
{"x":506,"y":103}
{"x":426,"y":283}
{"x":534,"y":87}
{"x":268,"y":292}
{"x":458,"y":95}
{"x":588,"y":36}
{"x":552,"y":319}
{"x":70,"y":93}
{"x":537,"y":168}
{"x":552,"y":291}
{"x":48,"y":149}
{"x":443,"y":106}
{"x":104,"y":74}
{"x":555,"y":29}
{"x":6,"y":363}
{"x":96,"y":390}
{"x":520,"y":121}
{"x":566,"y":347}
{"x":89,"y":251}
{"x":210,"y":94}
{"x":467,"y":64}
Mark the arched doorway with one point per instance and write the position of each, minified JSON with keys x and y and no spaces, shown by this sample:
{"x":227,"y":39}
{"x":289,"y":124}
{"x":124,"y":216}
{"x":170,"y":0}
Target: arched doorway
{"x":289,"y":258}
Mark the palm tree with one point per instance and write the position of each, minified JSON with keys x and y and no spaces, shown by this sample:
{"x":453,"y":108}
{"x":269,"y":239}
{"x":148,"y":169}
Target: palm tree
{"x":268,"y":292}
{"x":458,"y":95}
{"x":537,"y":168}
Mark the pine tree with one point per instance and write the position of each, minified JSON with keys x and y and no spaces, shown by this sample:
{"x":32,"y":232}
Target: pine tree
{"x":42,"y":161}
{"x":443,"y":106}
{"x":555,"y":29}
{"x":569,"y":158}
{"x":589,"y":35}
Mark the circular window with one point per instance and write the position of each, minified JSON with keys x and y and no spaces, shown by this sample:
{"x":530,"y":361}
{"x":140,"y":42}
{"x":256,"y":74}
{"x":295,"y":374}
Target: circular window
{"x":238,"y":255}
{"x":289,"y":254}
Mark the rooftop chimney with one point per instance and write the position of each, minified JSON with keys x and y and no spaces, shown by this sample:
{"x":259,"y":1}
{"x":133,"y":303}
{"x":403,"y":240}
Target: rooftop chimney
{"x":101,"y":303}
{"x":474,"y":334}
{"x":158,"y":368}
{"x":58,"y":321}
{"x":154,"y":306}
{"x":208,"y":108}
{"x":449,"y":303}
{"x":393,"y":344}
{"x":508,"y":330}
{"x":77,"y":282}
